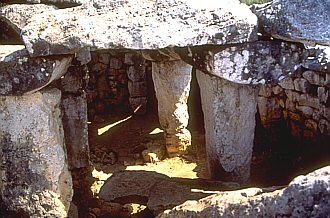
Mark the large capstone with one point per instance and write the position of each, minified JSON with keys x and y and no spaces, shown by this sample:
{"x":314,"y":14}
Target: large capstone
{"x":305,"y":21}
{"x":229,"y":116}
{"x":139,"y":24}
{"x":35,"y":181}
{"x":172,"y":84}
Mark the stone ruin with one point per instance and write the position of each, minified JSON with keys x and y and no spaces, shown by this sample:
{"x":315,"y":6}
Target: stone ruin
{"x":271,"y":60}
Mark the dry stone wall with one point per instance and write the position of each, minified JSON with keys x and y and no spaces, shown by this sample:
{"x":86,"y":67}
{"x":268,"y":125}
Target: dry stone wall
{"x":302,"y":100}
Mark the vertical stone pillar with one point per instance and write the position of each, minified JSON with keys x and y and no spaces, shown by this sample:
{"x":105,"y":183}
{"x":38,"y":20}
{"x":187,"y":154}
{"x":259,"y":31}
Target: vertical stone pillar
{"x":34,"y":176}
{"x":229,"y":116}
{"x":172,"y":85}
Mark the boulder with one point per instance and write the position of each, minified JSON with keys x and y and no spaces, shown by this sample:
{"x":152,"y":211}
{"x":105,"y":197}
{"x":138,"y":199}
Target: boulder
{"x":305,"y":21}
{"x":18,"y":15}
{"x":35,"y":181}
{"x":21,"y":74}
{"x":305,"y":196}
{"x":139,"y":24}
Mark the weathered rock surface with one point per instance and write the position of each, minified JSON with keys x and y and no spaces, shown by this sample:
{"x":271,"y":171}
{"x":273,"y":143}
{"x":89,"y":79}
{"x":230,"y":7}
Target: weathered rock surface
{"x":22,"y":74}
{"x":259,"y":62}
{"x":299,"y":21}
{"x":305,"y":196}
{"x":139,"y":25}
{"x":35,"y":181}
{"x":229,"y":116}
{"x":159,"y":192}
{"x":17,"y":16}
{"x":172,"y":84}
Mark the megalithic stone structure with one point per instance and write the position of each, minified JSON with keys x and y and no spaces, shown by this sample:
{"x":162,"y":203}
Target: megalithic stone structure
{"x":229,"y":114}
{"x":172,"y":84}
{"x":34,"y":176}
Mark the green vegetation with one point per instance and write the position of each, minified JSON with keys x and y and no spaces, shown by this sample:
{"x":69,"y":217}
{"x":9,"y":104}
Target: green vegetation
{"x":250,"y":2}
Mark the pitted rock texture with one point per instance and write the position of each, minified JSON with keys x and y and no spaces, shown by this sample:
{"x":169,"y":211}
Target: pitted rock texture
{"x":139,"y":25}
{"x":17,"y":16}
{"x":299,"y":21}
{"x":259,"y":62}
{"x":172,"y":85}
{"x":305,"y":196}
{"x":22,"y":74}
{"x":229,"y":113}
{"x":35,"y":181}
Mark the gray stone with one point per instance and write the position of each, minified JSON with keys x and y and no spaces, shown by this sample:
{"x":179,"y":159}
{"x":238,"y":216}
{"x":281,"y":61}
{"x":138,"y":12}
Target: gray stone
{"x":292,"y":95}
{"x":35,"y":181}
{"x":172,"y":85}
{"x":259,"y":62}
{"x":74,"y":108}
{"x":137,"y":89}
{"x":280,"y":19}
{"x":17,"y":16}
{"x":22,"y":74}
{"x":229,"y":117}
{"x":305,"y":196}
{"x":307,"y":111}
{"x":139,"y":25}
{"x":318,"y":58}
{"x":116,"y":63}
{"x":287,"y":83}
{"x":307,"y":100}
{"x":322,"y":94}
{"x":301,"y":85}
{"x":313,"y":77}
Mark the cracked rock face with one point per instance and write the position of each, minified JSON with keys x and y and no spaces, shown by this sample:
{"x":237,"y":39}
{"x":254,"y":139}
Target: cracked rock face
{"x":35,"y":181}
{"x":22,"y":74}
{"x":305,"y":21}
{"x":305,"y":196}
{"x":138,"y":25}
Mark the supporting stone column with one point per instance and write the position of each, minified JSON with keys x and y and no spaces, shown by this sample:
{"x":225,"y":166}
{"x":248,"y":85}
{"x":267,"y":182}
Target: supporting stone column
{"x":229,"y":114}
{"x":34,"y":176}
{"x":172,"y":85}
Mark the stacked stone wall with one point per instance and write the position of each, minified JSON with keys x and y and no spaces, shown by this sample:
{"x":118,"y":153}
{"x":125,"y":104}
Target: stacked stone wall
{"x":302,"y":101}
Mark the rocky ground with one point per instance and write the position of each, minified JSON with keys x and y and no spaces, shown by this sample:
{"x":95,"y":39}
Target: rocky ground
{"x":117,"y":145}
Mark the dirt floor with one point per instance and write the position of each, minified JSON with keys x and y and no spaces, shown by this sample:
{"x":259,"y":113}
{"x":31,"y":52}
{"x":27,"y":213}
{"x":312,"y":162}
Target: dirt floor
{"x":117,"y":143}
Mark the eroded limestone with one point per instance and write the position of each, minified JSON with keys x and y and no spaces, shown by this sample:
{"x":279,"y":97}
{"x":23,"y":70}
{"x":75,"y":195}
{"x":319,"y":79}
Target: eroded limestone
{"x":35,"y":180}
{"x":172,"y":84}
{"x":229,"y":117}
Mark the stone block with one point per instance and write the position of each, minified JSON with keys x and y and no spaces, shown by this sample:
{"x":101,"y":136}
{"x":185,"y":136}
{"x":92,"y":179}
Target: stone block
{"x":129,"y":59}
{"x":327,"y":80}
{"x":287,"y":84}
{"x":34,"y":169}
{"x":228,"y":106}
{"x":277,"y":90}
{"x":74,"y":108}
{"x":136,"y":73}
{"x":313,"y":77}
{"x":305,"y":110}
{"x":290,"y":105}
{"x":294,"y":116}
{"x":307,"y":100}
{"x":265,"y":90}
{"x":322,"y":94}
{"x":292,"y":95}
{"x":301,"y":85}
{"x":137,"y":89}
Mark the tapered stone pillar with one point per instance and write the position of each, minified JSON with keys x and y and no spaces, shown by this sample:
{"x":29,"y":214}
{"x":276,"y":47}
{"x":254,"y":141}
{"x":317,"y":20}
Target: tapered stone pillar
{"x":229,"y":117}
{"x":34,"y":176}
{"x":172,"y":85}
